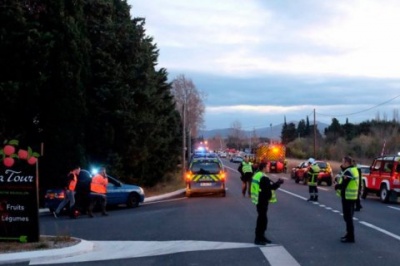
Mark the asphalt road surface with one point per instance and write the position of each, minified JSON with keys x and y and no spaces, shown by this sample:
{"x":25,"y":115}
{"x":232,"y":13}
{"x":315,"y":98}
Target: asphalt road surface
{"x":215,"y":230}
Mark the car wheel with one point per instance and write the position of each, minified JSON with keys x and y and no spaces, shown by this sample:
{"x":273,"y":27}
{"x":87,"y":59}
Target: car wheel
{"x":329,"y":182}
{"x":364,"y":190}
{"x":133,"y":201}
{"x":319,"y":182}
{"x":384,"y":194}
{"x":297,"y":180}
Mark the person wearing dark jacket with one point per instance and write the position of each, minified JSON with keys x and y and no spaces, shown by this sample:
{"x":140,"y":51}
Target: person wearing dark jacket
{"x":358,"y":205}
{"x":347,"y":189}
{"x":246,"y":171}
{"x":263,"y":192}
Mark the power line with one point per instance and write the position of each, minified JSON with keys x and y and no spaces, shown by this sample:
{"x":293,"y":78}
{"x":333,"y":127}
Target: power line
{"x":354,"y":113}
{"x":331,"y":115}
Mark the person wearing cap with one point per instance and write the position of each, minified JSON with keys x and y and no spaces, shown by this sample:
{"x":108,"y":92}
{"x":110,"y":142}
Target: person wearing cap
{"x":347,"y":190}
{"x":98,"y":190}
{"x":246,"y":171}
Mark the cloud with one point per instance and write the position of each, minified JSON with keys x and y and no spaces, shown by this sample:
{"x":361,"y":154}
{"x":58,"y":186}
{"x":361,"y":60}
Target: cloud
{"x":264,"y":60}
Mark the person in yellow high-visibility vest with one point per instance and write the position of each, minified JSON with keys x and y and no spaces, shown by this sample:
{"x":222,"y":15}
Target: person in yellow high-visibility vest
{"x":246,"y":171}
{"x":312,"y":176}
{"x":263,"y":192}
{"x":348,"y":191}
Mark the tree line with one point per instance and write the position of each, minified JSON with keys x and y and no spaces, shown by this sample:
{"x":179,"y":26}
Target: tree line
{"x":79,"y":83}
{"x":363,"y":141}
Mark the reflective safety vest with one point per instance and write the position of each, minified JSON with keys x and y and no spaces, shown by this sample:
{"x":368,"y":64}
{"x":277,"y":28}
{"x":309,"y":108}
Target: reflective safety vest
{"x":313,"y":175}
{"x":255,"y":189}
{"x":247,"y":167}
{"x":99,"y":184}
{"x":72,"y":183}
{"x":351,"y":191}
{"x":273,"y":198}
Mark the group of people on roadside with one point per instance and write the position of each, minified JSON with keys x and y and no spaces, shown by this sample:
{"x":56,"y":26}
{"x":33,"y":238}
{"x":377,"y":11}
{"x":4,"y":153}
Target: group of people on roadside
{"x":261,"y":189}
{"x":98,"y":190}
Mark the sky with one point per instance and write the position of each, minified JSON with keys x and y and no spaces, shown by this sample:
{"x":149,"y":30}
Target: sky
{"x":259,"y":62}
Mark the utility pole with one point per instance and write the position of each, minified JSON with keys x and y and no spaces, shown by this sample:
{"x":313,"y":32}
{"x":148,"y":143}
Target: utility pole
{"x":183,"y":140}
{"x":270,"y":125}
{"x":315,"y":136}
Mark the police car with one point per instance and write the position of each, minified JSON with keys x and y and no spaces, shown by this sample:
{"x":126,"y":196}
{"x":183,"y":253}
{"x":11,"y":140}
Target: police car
{"x":205,"y":175}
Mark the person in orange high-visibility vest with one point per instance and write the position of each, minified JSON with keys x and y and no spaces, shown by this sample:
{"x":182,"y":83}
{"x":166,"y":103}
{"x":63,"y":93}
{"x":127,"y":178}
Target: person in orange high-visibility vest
{"x":69,"y":190}
{"x":98,"y":190}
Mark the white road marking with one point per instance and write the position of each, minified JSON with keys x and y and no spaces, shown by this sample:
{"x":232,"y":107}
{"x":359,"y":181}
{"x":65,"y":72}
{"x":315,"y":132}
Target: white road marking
{"x":278,"y":256}
{"x":394,"y":208}
{"x":354,"y":218}
{"x":111,"y":250}
{"x":380,"y":230}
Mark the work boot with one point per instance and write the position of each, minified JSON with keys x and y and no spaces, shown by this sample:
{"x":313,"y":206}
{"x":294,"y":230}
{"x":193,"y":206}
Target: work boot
{"x":311,"y":198}
{"x":266,"y":240}
{"x":259,"y":242}
{"x":347,"y":240}
{"x":315,"y":198}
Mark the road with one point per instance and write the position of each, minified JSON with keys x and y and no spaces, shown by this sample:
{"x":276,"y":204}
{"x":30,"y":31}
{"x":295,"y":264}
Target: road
{"x":213,"y":230}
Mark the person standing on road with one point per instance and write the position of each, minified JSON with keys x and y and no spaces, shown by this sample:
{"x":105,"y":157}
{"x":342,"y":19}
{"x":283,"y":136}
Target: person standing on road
{"x":347,"y":189}
{"x":98,"y":190}
{"x":312,"y":176}
{"x":246,"y":171}
{"x":262,"y":193}
{"x":69,"y":191}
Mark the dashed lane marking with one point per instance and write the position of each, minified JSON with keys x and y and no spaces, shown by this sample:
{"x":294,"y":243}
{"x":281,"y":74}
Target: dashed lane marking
{"x":354,"y":218}
{"x":394,"y":208}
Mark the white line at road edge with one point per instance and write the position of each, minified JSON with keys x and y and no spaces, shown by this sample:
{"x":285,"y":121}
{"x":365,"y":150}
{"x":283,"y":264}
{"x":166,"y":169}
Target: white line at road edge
{"x":361,"y":222}
{"x":111,"y":250}
{"x":380,"y":230}
{"x":394,"y":208}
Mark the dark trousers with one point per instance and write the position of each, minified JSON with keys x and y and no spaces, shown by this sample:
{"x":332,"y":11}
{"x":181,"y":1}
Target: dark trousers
{"x":358,"y":202}
{"x":96,"y":198}
{"x":348,"y":212}
{"x":246,"y":183}
{"x":262,"y":221}
{"x":313,"y":191}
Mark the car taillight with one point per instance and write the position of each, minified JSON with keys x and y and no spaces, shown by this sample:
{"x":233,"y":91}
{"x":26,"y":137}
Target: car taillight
{"x":222,"y":176}
{"x":60,"y":195}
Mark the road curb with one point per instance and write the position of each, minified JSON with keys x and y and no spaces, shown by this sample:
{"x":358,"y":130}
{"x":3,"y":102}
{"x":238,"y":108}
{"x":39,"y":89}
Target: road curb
{"x":82,"y":247}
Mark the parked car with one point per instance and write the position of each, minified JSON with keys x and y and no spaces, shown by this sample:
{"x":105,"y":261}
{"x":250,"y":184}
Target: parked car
{"x":205,"y":175}
{"x":118,"y":193}
{"x":383,"y":179}
{"x":297,"y":172}
{"x":325,"y":174}
{"x":223,"y":154}
{"x":365,"y":170}
{"x":275,"y":167}
{"x":236,"y":159}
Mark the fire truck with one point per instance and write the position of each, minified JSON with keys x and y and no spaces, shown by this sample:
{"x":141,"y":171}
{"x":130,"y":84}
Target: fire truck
{"x":273,"y":154}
